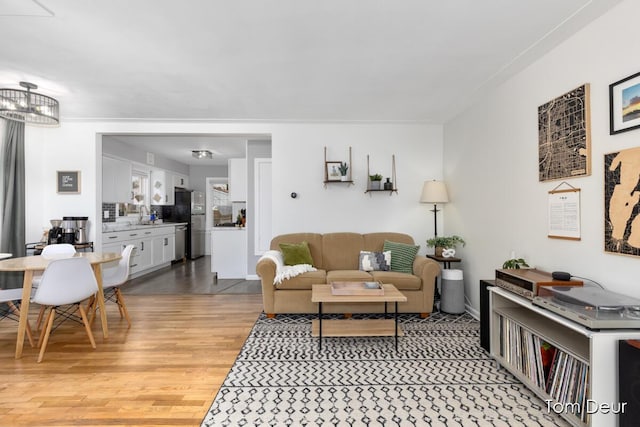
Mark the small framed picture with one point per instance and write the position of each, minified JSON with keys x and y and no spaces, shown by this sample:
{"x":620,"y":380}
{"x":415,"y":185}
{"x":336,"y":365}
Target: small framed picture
{"x":332,"y":171}
{"x":624,"y":104}
{"x":69,"y":182}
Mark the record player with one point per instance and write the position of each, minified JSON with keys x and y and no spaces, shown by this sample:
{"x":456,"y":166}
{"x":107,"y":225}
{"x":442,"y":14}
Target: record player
{"x":590,"y":306}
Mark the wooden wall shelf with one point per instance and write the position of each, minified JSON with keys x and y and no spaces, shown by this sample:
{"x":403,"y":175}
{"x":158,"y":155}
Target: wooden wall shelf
{"x":326,"y":181}
{"x":393,"y":179}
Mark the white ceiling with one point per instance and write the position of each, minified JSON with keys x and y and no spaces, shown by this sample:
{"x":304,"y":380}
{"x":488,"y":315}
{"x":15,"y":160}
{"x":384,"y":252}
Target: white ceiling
{"x":277,"y":60}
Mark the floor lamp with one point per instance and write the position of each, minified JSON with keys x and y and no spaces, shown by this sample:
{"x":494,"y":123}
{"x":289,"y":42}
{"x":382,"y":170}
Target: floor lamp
{"x":434,"y":192}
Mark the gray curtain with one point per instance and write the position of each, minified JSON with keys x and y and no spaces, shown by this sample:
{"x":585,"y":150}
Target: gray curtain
{"x":13,"y":199}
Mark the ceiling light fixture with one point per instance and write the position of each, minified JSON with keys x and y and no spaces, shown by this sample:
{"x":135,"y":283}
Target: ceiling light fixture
{"x":28,"y":107}
{"x":202,"y":154}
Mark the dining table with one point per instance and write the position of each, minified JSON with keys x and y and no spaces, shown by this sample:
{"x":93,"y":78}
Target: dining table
{"x":36,"y":263}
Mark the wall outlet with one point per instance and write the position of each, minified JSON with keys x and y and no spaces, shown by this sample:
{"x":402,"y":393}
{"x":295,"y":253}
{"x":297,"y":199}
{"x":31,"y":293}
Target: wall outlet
{"x":106,"y":214}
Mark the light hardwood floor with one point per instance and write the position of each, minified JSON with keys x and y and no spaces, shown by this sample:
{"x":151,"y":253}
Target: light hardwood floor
{"x":163,"y":371}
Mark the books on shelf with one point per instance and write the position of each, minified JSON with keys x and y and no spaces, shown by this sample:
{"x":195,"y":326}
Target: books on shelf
{"x":557,"y":373}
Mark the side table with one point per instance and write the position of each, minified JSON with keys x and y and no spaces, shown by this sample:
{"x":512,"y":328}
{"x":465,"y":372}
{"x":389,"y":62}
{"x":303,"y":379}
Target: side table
{"x":446,"y":263}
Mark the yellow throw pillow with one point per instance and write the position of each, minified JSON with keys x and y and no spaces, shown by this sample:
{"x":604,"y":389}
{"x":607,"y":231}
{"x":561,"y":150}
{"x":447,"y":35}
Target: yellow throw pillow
{"x":294,"y":254}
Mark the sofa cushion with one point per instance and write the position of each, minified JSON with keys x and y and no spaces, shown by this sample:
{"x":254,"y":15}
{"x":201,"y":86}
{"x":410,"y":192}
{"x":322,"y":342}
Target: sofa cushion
{"x":296,"y":253}
{"x":341,"y":251}
{"x":402,"y":281}
{"x":313,"y":239}
{"x":375,"y":241}
{"x":348,"y":276}
{"x":304,"y":280}
{"x":402,"y":256}
{"x":375,"y":261}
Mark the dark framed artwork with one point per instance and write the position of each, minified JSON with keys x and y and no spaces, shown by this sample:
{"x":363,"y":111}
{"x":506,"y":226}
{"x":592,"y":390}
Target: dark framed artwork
{"x":624,"y":104}
{"x":68,"y":182}
{"x":564,"y":136}
{"x":622,"y":202}
{"x":332,"y":171}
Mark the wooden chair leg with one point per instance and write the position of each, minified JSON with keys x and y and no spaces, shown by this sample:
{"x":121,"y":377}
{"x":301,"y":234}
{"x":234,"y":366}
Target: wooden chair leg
{"x":43,"y":330}
{"x":46,"y":332}
{"x":122,"y":306}
{"x":87,"y":326}
{"x":91,"y":304}
{"x":16,"y":311}
{"x":40,"y":317}
{"x":92,"y":308}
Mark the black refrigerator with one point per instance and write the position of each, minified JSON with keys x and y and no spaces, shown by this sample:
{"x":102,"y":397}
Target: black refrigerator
{"x":186,"y":209}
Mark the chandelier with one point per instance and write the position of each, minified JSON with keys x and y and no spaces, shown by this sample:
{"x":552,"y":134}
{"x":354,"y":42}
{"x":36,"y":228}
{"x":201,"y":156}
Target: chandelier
{"x":28,"y":107}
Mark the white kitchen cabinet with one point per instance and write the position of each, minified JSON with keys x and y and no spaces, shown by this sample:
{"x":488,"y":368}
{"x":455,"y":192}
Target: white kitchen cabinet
{"x":164,"y":247}
{"x":180,"y":181}
{"x":237,"y":180}
{"x":229,"y":252}
{"x":169,"y":247}
{"x":154,"y":246}
{"x":116,"y":180}
{"x":162,"y":190}
{"x":142,"y":255}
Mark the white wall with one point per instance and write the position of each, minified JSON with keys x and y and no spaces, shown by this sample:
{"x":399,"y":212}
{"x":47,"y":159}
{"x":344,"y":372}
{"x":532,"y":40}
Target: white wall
{"x":491,"y":156}
{"x":298,"y":166}
{"x":298,"y":162}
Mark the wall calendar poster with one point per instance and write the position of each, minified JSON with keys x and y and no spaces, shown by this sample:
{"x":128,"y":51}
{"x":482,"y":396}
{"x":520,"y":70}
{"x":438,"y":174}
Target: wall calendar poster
{"x":564,"y":214}
{"x":621,"y":197}
{"x":564,"y":136}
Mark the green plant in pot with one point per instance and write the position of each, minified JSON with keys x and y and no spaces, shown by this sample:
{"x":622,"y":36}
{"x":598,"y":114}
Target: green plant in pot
{"x":515,"y":263}
{"x":343,"y":170}
{"x":445,"y":242}
{"x":375,"y":181}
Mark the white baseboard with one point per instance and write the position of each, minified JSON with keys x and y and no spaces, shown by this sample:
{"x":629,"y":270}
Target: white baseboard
{"x":252,"y":277}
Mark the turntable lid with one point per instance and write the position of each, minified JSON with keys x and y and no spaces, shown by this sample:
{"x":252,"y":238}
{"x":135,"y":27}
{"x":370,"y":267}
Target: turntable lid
{"x":591,"y":296}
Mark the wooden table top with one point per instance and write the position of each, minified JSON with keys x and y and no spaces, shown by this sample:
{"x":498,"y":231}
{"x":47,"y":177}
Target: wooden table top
{"x":322,"y":293}
{"x":38,"y":262}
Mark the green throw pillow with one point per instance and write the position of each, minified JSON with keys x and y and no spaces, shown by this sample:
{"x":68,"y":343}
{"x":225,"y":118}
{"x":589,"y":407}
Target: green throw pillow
{"x":294,"y":254}
{"x":402,"y":256}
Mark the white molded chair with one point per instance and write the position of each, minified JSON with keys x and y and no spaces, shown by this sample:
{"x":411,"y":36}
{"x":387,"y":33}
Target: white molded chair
{"x":66,"y":281}
{"x":112,"y":279}
{"x":51,"y":252}
{"x":10,"y":297}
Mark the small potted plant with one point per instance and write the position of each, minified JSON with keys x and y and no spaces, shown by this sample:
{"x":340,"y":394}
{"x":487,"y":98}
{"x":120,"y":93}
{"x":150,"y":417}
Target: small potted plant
{"x":375,"y":181}
{"x":343,"y":171}
{"x":515,"y":263}
{"x":446,"y":242}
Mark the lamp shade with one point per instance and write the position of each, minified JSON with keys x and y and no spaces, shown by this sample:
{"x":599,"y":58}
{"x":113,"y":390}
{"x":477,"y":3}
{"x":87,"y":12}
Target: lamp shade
{"x":434,"y":192}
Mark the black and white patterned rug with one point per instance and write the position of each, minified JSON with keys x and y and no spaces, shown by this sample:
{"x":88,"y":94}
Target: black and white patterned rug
{"x":440,"y":376}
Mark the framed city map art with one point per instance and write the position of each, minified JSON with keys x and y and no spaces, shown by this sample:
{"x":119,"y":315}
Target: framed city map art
{"x":624,"y":104}
{"x":621,"y":202}
{"x":564,"y":136}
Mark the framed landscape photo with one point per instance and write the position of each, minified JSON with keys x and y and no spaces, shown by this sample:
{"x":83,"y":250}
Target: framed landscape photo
{"x":68,"y":182}
{"x":624,"y":104}
{"x":332,"y":171}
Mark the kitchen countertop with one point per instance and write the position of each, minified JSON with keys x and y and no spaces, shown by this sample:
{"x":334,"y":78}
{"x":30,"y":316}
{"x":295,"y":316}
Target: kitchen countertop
{"x":229,"y":228}
{"x":126,"y":227}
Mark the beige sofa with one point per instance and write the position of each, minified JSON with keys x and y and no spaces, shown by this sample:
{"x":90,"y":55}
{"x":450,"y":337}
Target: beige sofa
{"x":336,"y":256}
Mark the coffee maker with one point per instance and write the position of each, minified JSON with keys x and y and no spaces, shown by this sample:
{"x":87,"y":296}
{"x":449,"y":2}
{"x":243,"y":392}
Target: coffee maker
{"x":81,"y":229}
{"x":55,"y":233}
{"x":68,"y":230}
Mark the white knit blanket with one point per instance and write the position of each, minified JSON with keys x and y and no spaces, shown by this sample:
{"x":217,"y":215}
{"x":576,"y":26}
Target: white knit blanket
{"x":285,"y":271}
